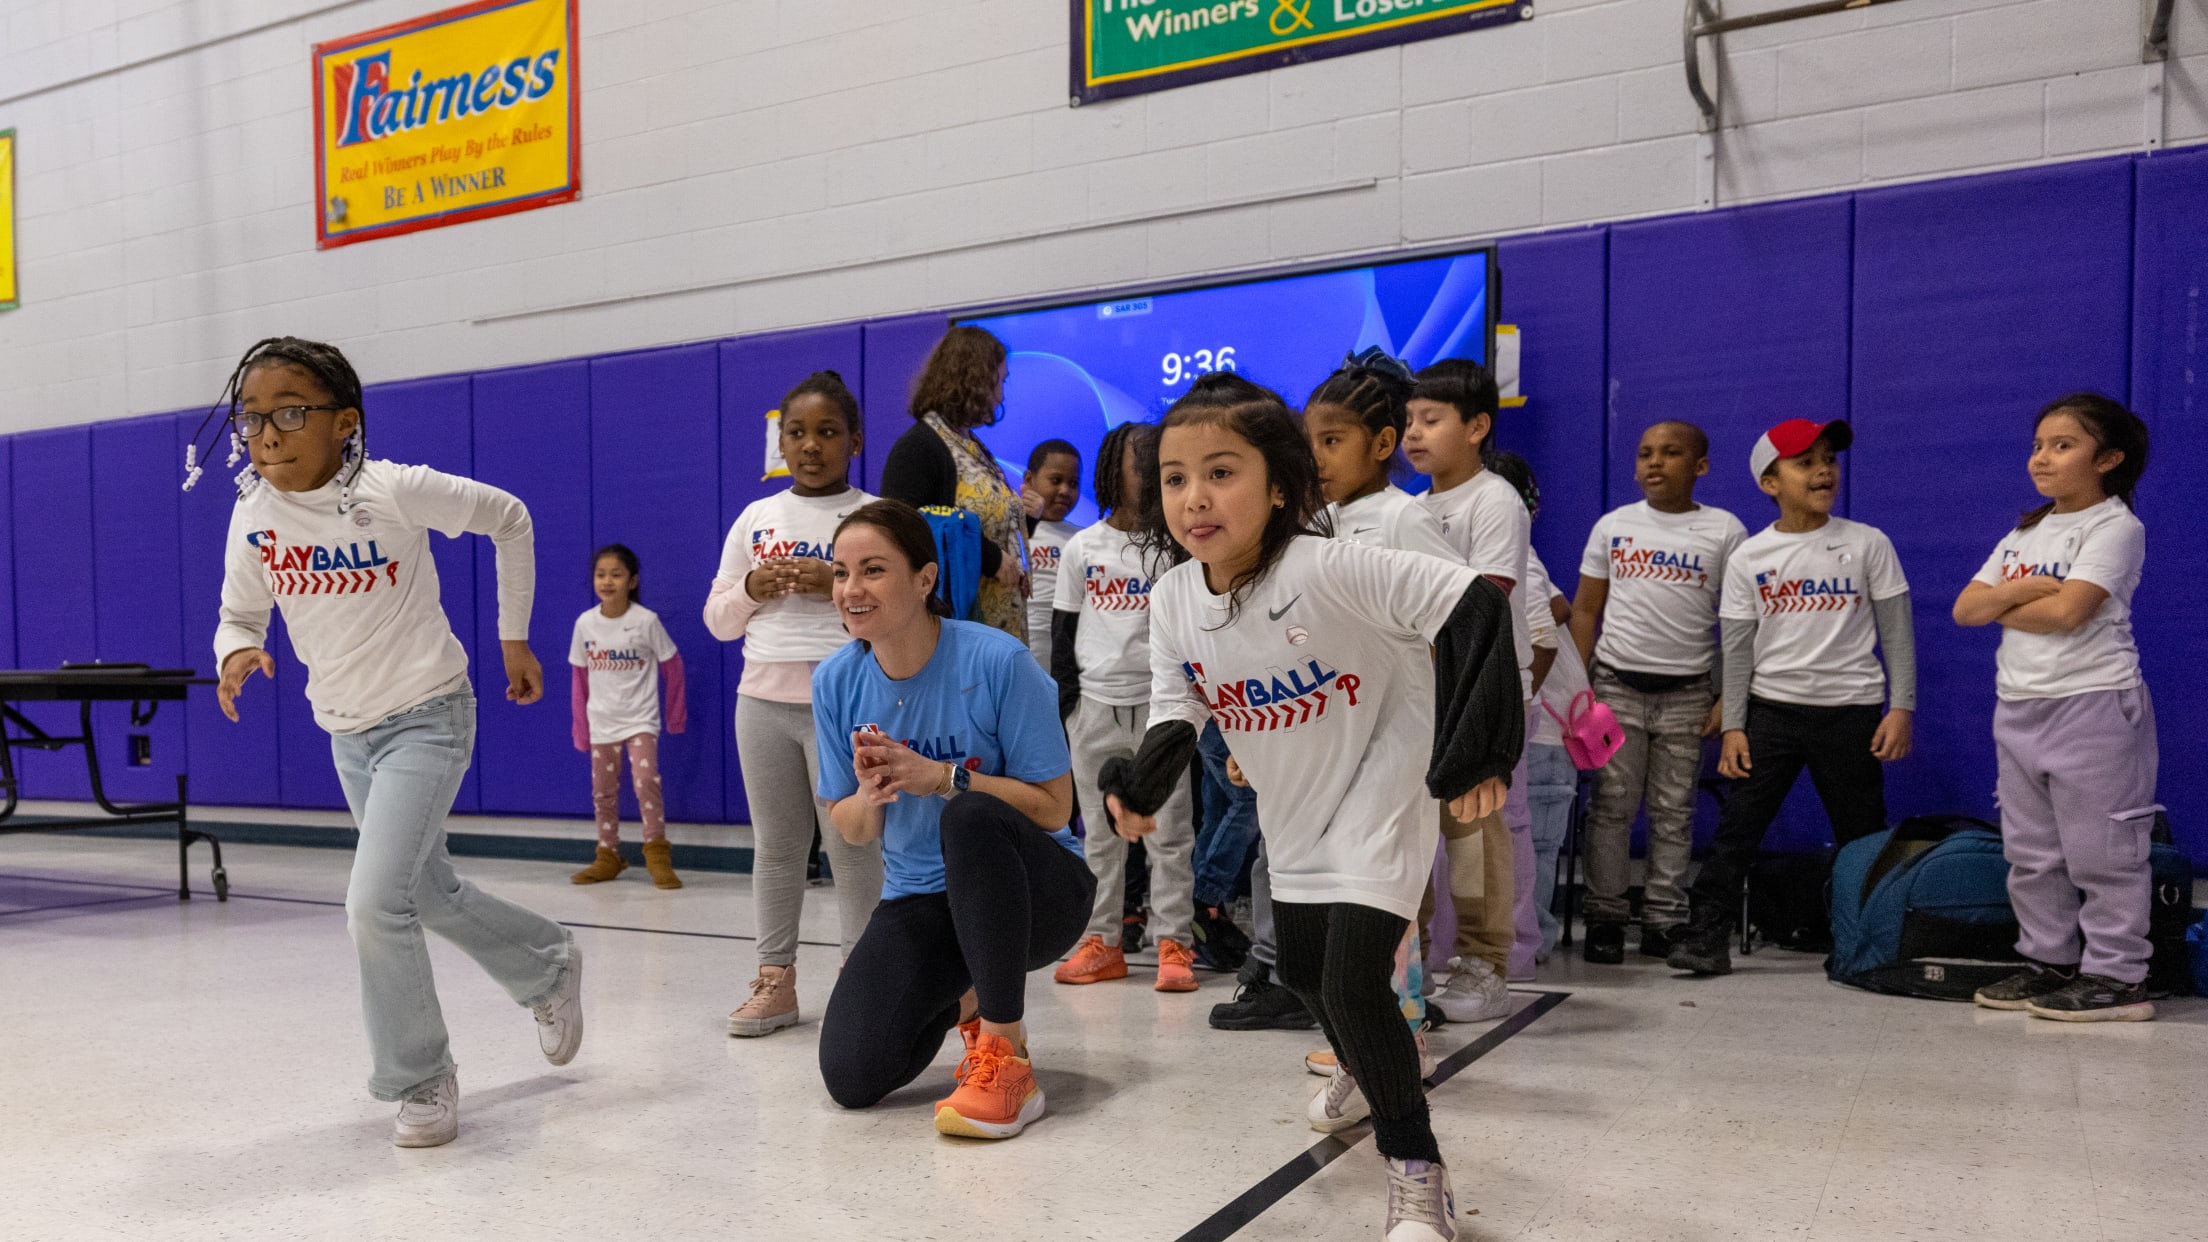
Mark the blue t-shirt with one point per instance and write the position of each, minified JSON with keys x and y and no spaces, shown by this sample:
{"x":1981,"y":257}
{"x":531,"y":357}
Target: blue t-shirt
{"x":981,"y":701}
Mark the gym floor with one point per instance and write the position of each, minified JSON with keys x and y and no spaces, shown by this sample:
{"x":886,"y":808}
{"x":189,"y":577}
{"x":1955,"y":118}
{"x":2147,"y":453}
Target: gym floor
{"x":193,"y":1070}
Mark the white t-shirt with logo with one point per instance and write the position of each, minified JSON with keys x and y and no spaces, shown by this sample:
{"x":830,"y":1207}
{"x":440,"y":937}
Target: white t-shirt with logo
{"x":1486,"y":521}
{"x":1044,"y":546}
{"x":2105,"y":545}
{"x":1666,"y":573}
{"x":1810,"y":595}
{"x":1393,"y":518}
{"x":359,"y":590}
{"x":792,"y":628}
{"x":1324,"y":689}
{"x":623,"y":655}
{"x":1103,"y":576}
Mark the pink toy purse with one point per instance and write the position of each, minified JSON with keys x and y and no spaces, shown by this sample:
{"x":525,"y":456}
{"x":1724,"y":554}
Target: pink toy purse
{"x":1591,"y":732}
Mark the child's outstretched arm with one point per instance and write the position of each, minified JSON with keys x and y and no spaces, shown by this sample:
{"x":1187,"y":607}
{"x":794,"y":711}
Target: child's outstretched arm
{"x":1479,"y":717}
{"x":243,"y":627}
{"x":1897,"y":639}
{"x":454,"y":506}
{"x":678,"y":698}
{"x":1738,"y":659}
{"x":1135,"y":791}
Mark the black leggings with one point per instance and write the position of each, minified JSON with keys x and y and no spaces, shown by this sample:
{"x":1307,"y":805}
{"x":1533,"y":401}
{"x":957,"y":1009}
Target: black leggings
{"x":1013,"y":901}
{"x":1340,"y":959}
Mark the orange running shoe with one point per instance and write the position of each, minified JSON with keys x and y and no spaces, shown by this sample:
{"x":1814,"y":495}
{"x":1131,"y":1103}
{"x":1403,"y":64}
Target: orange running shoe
{"x":1176,"y":963}
{"x":997,"y":1095}
{"x":1093,"y":961}
{"x":970,"y":1030}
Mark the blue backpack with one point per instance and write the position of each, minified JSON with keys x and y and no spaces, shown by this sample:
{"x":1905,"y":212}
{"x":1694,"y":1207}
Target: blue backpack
{"x":1922,"y":909}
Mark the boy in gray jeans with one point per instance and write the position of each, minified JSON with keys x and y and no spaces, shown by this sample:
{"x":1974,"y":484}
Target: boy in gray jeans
{"x":1648,"y":586}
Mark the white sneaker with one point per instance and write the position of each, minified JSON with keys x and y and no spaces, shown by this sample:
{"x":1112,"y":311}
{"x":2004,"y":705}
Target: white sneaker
{"x":1338,"y":1105}
{"x":431,"y":1116}
{"x":1421,"y":1207}
{"x":560,"y":1015}
{"x":1474,"y":993}
{"x":1322,"y":1062}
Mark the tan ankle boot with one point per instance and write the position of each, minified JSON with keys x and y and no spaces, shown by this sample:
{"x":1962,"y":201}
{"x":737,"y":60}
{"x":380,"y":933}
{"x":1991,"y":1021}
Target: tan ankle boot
{"x":659,"y":859}
{"x":772,"y":1006}
{"x":607,"y":865}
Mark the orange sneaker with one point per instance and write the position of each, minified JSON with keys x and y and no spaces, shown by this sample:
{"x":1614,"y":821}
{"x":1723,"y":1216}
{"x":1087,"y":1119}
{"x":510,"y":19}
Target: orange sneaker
{"x":970,"y":1031}
{"x":1093,"y":961}
{"x":1176,"y":967}
{"x":997,"y":1095}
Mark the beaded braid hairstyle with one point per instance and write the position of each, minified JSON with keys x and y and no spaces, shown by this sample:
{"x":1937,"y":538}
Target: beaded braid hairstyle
{"x":1111,"y":461}
{"x":328,"y":367}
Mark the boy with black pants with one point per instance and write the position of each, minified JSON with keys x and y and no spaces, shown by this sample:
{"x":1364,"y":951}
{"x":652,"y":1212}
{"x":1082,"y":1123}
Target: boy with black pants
{"x":1807,"y":602}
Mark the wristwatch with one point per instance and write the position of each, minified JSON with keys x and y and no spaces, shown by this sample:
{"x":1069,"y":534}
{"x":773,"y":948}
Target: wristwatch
{"x":961,"y":780}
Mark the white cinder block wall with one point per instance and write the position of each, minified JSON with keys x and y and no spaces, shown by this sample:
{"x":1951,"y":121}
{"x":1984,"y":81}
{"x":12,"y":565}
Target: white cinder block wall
{"x":807,"y":161}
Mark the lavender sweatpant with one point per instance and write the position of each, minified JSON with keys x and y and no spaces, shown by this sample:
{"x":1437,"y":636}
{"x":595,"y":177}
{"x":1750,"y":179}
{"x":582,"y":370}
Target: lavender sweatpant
{"x":2077,"y":812}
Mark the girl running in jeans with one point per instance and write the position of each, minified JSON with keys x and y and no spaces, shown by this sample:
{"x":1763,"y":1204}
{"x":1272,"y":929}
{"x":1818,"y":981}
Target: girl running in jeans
{"x":1312,"y":654}
{"x":622,"y":649}
{"x":2074,"y":728}
{"x":772,"y":591}
{"x":940,"y":739}
{"x":389,"y":682}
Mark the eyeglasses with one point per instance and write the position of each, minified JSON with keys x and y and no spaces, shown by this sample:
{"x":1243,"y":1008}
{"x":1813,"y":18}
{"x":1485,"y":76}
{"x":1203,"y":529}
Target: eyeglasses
{"x":286,"y":418}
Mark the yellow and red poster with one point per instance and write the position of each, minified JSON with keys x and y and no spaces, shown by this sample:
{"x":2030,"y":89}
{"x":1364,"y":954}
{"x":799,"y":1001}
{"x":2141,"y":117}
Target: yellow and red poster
{"x":462,"y":114}
{"x":7,"y":219}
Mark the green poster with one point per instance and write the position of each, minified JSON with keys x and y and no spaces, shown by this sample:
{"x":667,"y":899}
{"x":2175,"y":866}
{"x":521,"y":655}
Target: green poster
{"x":1125,"y":47}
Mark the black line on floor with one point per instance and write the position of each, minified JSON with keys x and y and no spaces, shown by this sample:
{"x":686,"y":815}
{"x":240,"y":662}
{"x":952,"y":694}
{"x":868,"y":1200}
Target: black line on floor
{"x":322,"y":901}
{"x":73,"y":905}
{"x":1283,"y":1181}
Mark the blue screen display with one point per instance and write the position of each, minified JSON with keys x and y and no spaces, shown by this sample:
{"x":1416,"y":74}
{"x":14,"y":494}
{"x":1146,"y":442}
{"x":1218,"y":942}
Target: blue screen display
{"x":1075,"y":372}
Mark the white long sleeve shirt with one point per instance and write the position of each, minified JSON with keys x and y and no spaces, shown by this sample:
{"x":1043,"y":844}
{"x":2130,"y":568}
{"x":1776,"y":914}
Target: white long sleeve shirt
{"x":359,"y":590}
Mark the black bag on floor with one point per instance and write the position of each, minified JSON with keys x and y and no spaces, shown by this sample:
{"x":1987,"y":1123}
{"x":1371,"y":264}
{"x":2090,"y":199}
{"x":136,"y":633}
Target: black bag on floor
{"x":2170,"y":968}
{"x":1922,"y":909}
{"x":1790,"y":900}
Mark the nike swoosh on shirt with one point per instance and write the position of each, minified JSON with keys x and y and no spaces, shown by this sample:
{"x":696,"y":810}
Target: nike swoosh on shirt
{"x":970,"y":689}
{"x":1275,"y":614}
{"x":1362,"y":530}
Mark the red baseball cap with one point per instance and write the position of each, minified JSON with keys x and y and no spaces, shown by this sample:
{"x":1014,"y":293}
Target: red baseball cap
{"x":1793,"y":438}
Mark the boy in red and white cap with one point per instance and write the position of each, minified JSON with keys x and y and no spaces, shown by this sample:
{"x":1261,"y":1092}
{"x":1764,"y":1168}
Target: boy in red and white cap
{"x":1809,"y":602}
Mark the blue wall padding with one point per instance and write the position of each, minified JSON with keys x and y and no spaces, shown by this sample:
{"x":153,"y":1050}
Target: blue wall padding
{"x":56,"y":585}
{"x":896,"y":350}
{"x":2169,"y":385}
{"x":7,"y":543}
{"x":429,"y":423}
{"x":1732,"y":321}
{"x":1976,"y":302}
{"x":755,"y":374}
{"x":230,"y":763}
{"x":1555,"y":287}
{"x":139,"y":611}
{"x":655,"y":485}
{"x":532,"y":437}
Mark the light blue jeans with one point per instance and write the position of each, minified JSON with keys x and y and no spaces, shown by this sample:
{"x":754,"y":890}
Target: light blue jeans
{"x":1551,"y":785}
{"x":400,"y":778}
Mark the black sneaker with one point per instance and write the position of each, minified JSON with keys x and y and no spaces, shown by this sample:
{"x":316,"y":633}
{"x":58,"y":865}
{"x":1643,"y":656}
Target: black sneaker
{"x":1657,"y":942}
{"x":1134,"y":932}
{"x":1605,"y":944}
{"x":1262,"y":1005}
{"x":2019,"y":990}
{"x":2094,"y":998}
{"x":1219,"y":943}
{"x":1704,"y":949}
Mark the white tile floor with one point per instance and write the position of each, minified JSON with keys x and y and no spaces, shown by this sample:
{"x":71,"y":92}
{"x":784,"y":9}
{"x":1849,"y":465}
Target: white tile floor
{"x":181,"y":1071}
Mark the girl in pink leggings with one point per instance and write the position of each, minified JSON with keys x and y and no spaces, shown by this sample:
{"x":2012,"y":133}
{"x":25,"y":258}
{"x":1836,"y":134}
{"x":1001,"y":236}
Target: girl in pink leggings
{"x":617,"y":647}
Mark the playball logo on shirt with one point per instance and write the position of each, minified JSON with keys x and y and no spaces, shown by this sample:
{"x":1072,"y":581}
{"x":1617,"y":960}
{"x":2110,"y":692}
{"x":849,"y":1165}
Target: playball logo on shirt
{"x":949,"y":748}
{"x":1108,"y":592}
{"x":2014,"y":566}
{"x":1282,"y":700}
{"x":769,"y":545}
{"x":1789,"y":595}
{"x":1042,"y":560}
{"x":603,"y":659}
{"x":1656,"y":564}
{"x":313,"y":569}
